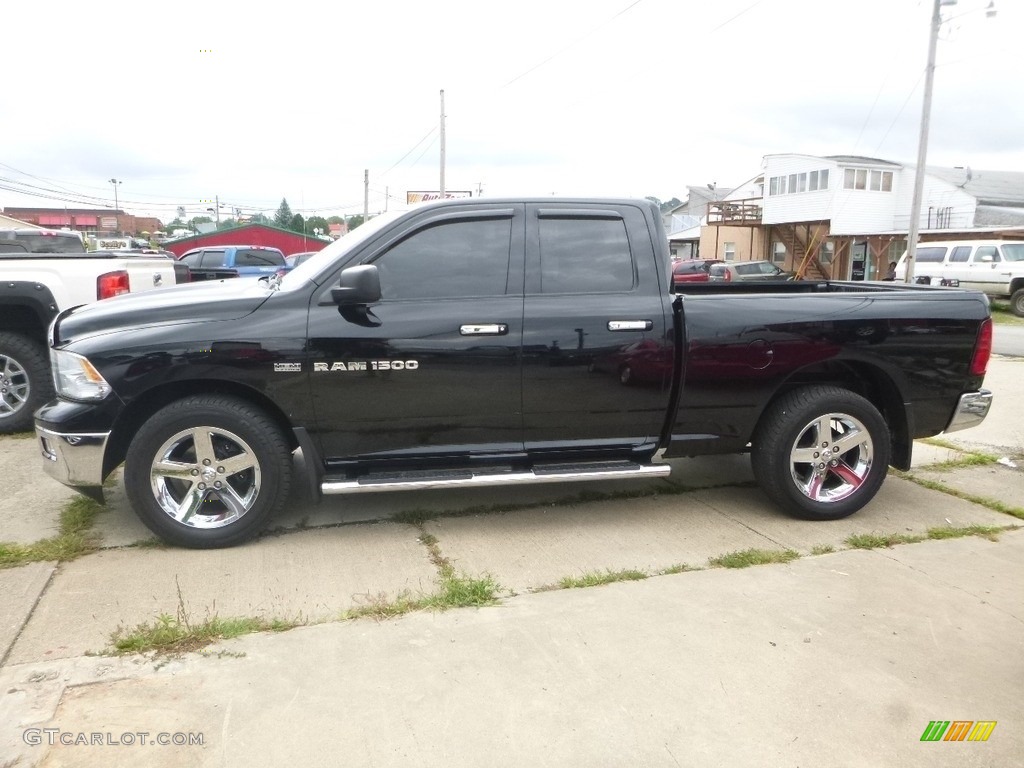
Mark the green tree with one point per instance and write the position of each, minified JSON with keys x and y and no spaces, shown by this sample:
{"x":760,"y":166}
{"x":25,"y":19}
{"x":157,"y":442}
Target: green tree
{"x":297,"y":224}
{"x":259,"y":218}
{"x":283,"y":217}
{"x":317,"y":222}
{"x":335,"y":219}
{"x":353,"y":222}
{"x":227,"y":224}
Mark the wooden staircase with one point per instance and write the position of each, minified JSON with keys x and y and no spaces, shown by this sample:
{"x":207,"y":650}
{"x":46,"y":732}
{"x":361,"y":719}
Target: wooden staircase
{"x":804,"y":247}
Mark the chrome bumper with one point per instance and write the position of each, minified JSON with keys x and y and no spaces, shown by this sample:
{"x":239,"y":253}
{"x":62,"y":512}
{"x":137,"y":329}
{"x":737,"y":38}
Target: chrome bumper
{"x":73,"y":459}
{"x":970,"y":410}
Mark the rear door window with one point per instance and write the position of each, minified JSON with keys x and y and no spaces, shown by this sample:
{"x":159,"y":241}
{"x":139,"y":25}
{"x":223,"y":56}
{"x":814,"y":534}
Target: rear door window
{"x":192,"y":259}
{"x":585,"y":255}
{"x":212,"y":259}
{"x":960,"y":254}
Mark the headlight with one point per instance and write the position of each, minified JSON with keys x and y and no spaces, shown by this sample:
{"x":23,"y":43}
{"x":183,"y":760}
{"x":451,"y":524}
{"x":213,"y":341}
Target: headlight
{"x":76,"y":378}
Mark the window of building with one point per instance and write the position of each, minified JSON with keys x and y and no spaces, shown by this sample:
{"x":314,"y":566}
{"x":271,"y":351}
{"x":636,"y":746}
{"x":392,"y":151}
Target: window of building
{"x":801,"y":182}
{"x":792,"y":183}
{"x":773,"y":185}
{"x":862,"y":178}
{"x":778,"y":252}
{"x":730,"y":251}
{"x":823,"y":179}
{"x":896,"y":249}
{"x":812,"y":181}
{"x":827,"y":252}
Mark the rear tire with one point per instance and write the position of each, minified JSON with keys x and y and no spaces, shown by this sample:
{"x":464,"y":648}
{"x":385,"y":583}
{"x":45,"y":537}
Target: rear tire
{"x":821,"y":452}
{"x":25,"y":381}
{"x":208,"y":471}
{"x":1017,"y":302}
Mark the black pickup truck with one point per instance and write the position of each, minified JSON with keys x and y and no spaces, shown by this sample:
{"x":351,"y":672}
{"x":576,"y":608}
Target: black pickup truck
{"x":473,"y":343}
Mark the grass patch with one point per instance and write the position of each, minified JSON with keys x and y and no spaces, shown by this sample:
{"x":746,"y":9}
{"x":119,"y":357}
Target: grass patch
{"x":20,"y":435}
{"x":822,"y":549}
{"x":993,"y":504}
{"x":680,"y":568}
{"x":881,"y":540}
{"x":597,"y":578}
{"x":990,"y":532}
{"x":747,"y":557}
{"x":74,"y":540}
{"x":1002,"y":315}
{"x":175,"y":634}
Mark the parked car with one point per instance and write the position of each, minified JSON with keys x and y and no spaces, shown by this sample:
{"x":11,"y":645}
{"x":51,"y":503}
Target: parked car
{"x":36,"y":286}
{"x":693,"y":270}
{"x":40,"y":241}
{"x":994,"y":267}
{"x":484,"y":342}
{"x":220,"y":261}
{"x":297,"y":258}
{"x":740,"y":271}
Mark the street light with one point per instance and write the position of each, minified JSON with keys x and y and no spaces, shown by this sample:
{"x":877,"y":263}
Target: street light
{"x":922,"y":144}
{"x":116,"y":183}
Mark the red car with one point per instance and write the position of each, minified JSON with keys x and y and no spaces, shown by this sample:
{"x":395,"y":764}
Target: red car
{"x":692,"y":271}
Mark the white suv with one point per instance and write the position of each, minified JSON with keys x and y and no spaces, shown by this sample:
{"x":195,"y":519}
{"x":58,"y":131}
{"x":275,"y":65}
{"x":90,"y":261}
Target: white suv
{"x":995,"y":267}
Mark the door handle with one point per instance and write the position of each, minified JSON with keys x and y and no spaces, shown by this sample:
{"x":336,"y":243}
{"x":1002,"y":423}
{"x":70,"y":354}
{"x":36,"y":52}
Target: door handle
{"x":484,"y":329}
{"x":630,"y":325}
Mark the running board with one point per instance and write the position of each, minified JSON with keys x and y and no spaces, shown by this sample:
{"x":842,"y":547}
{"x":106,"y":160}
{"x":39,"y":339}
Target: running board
{"x":563,"y":473}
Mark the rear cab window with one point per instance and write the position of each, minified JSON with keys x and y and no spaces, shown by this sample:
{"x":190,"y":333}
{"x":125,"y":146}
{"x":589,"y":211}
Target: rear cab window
{"x":257,"y":257}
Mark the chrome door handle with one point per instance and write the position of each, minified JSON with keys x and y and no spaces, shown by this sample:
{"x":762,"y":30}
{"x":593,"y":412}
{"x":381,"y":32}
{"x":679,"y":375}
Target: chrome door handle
{"x":630,"y":325}
{"x":484,"y":329}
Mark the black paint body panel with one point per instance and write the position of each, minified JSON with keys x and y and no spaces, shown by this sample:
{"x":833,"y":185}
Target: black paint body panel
{"x":554,"y":381}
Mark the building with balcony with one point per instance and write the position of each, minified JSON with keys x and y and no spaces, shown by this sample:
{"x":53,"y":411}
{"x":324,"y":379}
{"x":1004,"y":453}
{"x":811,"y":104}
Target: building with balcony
{"x":845,"y":217}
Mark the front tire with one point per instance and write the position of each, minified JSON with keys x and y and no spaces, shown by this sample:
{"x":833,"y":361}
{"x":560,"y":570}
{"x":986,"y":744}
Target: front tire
{"x":1017,"y":302}
{"x":25,"y":381}
{"x":821,"y":452}
{"x":208,"y":471}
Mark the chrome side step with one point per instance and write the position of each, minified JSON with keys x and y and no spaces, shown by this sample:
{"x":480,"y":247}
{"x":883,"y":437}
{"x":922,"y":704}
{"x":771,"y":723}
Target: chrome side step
{"x":482,"y":479}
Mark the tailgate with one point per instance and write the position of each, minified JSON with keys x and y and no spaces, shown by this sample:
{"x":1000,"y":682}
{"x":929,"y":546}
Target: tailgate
{"x":146,"y":273}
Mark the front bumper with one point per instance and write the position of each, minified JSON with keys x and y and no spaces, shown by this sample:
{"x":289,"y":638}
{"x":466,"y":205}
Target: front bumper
{"x":74,"y":459}
{"x":971,"y":410}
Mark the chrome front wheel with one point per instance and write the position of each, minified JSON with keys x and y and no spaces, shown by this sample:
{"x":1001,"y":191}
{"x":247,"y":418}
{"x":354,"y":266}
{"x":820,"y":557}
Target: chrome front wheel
{"x":208,"y":471}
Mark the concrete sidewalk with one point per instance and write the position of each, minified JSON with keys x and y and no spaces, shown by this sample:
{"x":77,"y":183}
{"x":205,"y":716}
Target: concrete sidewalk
{"x":837,"y":660}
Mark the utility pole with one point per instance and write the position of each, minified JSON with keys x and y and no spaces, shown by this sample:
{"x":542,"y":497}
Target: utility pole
{"x":922,"y":142}
{"x":216,"y":205}
{"x":442,"y":144}
{"x":117,"y":227}
{"x":366,"y":195}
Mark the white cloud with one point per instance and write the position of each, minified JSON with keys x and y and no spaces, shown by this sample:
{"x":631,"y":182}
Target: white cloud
{"x":189,"y":100}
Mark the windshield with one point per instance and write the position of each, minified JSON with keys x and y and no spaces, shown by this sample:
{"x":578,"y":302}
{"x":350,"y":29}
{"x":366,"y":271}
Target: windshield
{"x":308,"y":269}
{"x":1013,"y":251}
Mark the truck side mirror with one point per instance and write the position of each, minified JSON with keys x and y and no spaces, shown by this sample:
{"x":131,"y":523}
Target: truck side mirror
{"x":357,"y":286}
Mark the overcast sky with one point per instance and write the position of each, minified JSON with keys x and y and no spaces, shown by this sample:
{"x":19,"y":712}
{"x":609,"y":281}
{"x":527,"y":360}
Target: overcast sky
{"x":186,"y":101}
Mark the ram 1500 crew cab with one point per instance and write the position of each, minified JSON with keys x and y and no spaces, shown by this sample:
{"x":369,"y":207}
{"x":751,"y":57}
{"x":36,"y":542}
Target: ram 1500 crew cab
{"x":498,"y":342}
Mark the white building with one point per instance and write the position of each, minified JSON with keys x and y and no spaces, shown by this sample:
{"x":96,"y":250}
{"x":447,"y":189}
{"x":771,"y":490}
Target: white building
{"x":846,"y":217}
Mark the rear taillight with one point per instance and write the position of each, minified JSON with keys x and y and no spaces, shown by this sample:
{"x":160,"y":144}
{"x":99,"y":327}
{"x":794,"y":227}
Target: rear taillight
{"x":728,"y":276}
{"x":983,"y":349}
{"x":111,"y":284}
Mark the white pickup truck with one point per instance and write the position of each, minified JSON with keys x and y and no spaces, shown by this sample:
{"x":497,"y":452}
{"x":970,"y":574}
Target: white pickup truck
{"x":36,"y":286}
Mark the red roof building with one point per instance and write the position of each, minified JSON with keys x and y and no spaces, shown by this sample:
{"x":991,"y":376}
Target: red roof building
{"x":250,"y":234}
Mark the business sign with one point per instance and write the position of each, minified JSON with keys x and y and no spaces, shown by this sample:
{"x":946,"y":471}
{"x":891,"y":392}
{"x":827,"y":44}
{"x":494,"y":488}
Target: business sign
{"x":108,"y":222}
{"x":427,"y":197}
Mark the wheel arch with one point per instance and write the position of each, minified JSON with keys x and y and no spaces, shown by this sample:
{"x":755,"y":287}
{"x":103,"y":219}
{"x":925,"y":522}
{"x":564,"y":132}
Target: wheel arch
{"x":870,"y":382}
{"x":146,"y":404}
